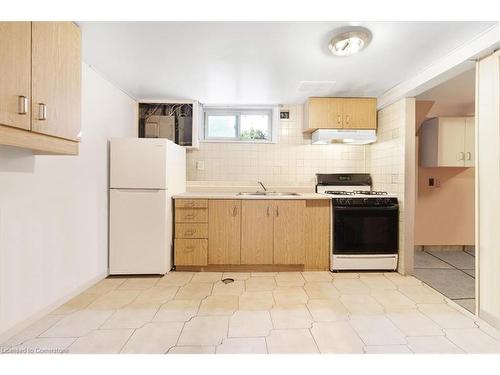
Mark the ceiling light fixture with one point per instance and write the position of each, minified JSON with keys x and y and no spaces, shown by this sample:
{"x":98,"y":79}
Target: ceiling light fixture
{"x":350,"y":42}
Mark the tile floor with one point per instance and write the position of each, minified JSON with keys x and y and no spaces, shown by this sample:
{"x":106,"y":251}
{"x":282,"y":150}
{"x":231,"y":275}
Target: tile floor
{"x":293,"y":312}
{"x":449,"y":272}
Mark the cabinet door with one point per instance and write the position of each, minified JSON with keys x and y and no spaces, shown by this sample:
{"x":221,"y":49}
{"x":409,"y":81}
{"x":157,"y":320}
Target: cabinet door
{"x":289,"y":231}
{"x":56,"y":79}
{"x":15,"y":68}
{"x":451,"y":148}
{"x":335,"y":110}
{"x":318,"y":113}
{"x":360,"y":113}
{"x":257,"y":232}
{"x":224,"y":231}
{"x":470,"y":141}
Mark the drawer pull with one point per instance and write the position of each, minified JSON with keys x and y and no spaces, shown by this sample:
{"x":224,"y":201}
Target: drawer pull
{"x":189,"y":204}
{"x":22,"y":105}
{"x":189,"y":216}
{"x":339,"y":119}
{"x":42,"y":112}
{"x":189,"y":249}
{"x":190,"y":232}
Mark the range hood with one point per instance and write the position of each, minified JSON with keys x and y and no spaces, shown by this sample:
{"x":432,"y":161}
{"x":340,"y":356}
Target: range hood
{"x":348,"y":136}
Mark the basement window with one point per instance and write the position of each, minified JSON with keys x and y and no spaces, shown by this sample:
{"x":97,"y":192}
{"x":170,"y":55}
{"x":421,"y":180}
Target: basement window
{"x":242,"y":124}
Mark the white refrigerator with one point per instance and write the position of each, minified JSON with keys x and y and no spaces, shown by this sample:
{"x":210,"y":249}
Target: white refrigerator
{"x":144,"y":174}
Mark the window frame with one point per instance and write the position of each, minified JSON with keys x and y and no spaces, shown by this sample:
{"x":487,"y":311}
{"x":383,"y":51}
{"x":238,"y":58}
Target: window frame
{"x":238,"y":111}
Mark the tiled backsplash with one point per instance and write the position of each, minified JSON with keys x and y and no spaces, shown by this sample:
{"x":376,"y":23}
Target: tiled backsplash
{"x":292,"y":162}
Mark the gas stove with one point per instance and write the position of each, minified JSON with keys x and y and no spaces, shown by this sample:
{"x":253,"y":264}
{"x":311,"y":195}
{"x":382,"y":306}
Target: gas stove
{"x":365,"y":223}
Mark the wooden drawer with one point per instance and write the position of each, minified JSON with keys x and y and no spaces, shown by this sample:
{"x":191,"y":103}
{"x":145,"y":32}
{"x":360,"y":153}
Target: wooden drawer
{"x":191,"y":215}
{"x":191,"y":203}
{"x":185,"y":230}
{"x":191,"y":252}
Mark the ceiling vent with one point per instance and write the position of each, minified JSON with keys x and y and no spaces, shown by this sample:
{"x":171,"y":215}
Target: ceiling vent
{"x":316,"y":87}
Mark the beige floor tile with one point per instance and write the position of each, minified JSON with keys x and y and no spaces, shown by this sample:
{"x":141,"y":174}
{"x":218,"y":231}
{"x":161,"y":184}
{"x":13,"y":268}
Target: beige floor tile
{"x":413,"y":323}
{"x":318,"y":276}
{"x":194,"y":291}
{"x":246,"y":345}
{"x":421,"y":294}
{"x":291,"y":341}
{"x":207,"y":277}
{"x":321,"y":290}
{"x":392,"y":299}
{"x":446,"y":316}
{"x":377,"y":330}
{"x":103,"y":341}
{"x":387,"y":349}
{"x":290,"y":277}
{"x":351,"y":286}
{"x":157,"y":295}
{"x":177,"y":311}
{"x":263,"y":274}
{"x":291,"y":316}
{"x":432,"y":345}
{"x":78,"y":303}
{"x":34,"y":330}
{"x":49,"y":345}
{"x":327,"y":310}
{"x":131,"y":316}
{"x":401,"y":280}
{"x":204,"y":330}
{"x":176,"y":279}
{"x":250,"y":324}
{"x":473,"y":340}
{"x":106,"y":285}
{"x":236,"y":275}
{"x":78,"y":324}
{"x":256,"y":301}
{"x":153,"y":338}
{"x":218,"y":305}
{"x":361,"y":304}
{"x":116,"y":299}
{"x":139,"y":283}
{"x":192,"y":350}
{"x":379,"y":282}
{"x":235,"y":288}
{"x":290,"y":295}
{"x":345,"y":275}
{"x":260,"y":284}
{"x":336,"y":337}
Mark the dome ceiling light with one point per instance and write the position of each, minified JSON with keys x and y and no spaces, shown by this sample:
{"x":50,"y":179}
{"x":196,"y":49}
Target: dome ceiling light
{"x":350,"y":42}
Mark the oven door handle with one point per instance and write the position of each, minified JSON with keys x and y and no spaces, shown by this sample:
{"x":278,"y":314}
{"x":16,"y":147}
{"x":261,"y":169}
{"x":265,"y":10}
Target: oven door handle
{"x":355,"y":208}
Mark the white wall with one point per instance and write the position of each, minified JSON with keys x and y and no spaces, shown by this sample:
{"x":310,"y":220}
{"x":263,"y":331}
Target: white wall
{"x":53,"y":209}
{"x":292,"y":162}
{"x":488,"y":188}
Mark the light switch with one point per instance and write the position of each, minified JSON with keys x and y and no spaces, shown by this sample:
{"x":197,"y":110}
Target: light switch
{"x":200,"y":165}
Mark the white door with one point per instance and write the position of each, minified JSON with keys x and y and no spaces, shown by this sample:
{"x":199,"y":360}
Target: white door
{"x":470,"y":142}
{"x":140,"y":232}
{"x":451,"y":142}
{"x":138,"y":163}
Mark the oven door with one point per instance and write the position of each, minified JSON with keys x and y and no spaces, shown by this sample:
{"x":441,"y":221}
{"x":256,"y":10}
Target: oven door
{"x":366,"y":230}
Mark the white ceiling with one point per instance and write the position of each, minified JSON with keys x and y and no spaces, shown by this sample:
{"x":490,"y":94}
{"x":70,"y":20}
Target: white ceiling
{"x":455,"y":97}
{"x":262,"y":62}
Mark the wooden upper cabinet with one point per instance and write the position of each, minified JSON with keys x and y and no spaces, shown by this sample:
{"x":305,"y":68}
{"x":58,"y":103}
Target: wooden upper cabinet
{"x":224,"y":231}
{"x":289,"y":244}
{"x":56,"y":79}
{"x":257,"y":234}
{"x":340,"y":113}
{"x":360,"y":113}
{"x":15,"y":71}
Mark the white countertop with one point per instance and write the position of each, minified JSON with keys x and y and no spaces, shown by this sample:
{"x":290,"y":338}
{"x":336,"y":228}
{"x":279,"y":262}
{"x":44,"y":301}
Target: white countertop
{"x":233,"y":195}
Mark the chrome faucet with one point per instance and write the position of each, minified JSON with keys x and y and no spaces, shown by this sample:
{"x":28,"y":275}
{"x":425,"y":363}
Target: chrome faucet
{"x":261,"y":184}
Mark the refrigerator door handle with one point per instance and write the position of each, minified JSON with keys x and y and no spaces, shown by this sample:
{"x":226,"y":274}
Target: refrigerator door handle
{"x":138,"y":190}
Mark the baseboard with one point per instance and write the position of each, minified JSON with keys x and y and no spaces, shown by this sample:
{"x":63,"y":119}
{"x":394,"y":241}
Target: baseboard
{"x":18,"y":327}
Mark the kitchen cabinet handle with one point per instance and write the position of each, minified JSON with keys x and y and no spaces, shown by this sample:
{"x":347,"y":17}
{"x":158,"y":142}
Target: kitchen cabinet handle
{"x":469,"y":156}
{"x":339,"y":119}
{"x":189,"y":249}
{"x":189,"y":204}
{"x":189,"y":216}
{"x":42,"y":111}
{"x":347,"y":119}
{"x":277,"y":211}
{"x":268,"y":210}
{"x":235,"y":210}
{"x":190,"y":232}
{"x":461,"y":156}
{"x":22,"y":105}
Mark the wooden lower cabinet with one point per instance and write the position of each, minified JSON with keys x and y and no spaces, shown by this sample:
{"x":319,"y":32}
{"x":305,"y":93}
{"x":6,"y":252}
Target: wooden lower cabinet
{"x":257,"y":233}
{"x":317,"y":235}
{"x":224,"y":231}
{"x":191,"y":252}
{"x":289,"y":232}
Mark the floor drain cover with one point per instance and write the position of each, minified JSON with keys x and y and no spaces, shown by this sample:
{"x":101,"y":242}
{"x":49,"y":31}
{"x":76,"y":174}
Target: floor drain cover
{"x":227,"y":281}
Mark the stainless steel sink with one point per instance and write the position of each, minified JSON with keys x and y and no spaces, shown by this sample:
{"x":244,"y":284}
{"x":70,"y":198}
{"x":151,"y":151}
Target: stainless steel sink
{"x":268,"y":193}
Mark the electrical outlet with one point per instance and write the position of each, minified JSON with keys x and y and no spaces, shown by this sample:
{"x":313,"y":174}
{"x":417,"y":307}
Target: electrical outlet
{"x":200,"y":165}
{"x":284,"y":115}
{"x":431,"y":182}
